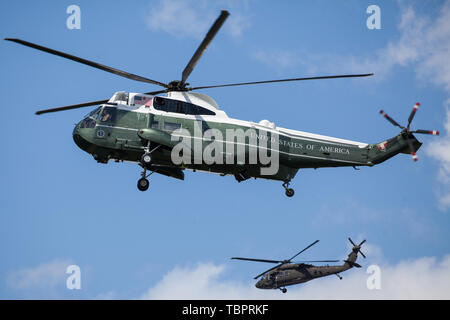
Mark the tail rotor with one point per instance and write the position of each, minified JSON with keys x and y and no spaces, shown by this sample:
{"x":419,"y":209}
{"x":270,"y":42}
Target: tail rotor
{"x":357,"y":248}
{"x":407,"y":133}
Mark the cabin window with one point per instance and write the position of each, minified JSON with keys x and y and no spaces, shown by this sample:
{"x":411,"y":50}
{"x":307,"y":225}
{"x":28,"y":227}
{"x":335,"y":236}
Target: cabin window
{"x":205,"y":111}
{"x":197,"y":110}
{"x":154,"y":125}
{"x":158,"y":101}
{"x":182,"y":107}
{"x":171,"y":126}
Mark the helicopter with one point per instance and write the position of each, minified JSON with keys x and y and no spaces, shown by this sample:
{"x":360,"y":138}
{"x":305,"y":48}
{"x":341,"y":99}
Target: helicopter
{"x":146,"y":128}
{"x":287,"y":273}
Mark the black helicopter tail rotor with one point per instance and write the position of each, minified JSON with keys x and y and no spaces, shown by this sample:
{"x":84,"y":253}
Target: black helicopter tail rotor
{"x":407,"y":133}
{"x":357,"y":248}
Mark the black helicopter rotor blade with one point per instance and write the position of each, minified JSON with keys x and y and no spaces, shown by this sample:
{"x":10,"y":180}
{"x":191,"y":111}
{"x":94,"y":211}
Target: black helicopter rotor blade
{"x":205,"y":43}
{"x":282,"y":80}
{"x":304,"y":250}
{"x":316,"y":261}
{"x":73,"y":106}
{"x":86,"y":104}
{"x":263,"y":273}
{"x":257,"y":260}
{"x":87,"y":62}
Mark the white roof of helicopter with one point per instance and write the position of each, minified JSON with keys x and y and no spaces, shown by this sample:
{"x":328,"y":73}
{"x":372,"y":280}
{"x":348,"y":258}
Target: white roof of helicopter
{"x":209,"y":103}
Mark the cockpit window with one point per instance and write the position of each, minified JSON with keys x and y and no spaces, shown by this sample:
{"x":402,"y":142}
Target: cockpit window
{"x":108,"y":114}
{"x":90,"y":114}
{"x":96,"y":113}
{"x":88,"y":123}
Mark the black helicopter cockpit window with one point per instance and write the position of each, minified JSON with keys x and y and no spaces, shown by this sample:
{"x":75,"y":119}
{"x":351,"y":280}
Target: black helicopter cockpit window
{"x":108,"y":114}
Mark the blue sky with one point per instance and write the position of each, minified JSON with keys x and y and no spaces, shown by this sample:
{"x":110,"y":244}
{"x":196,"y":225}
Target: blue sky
{"x":59,"y":207}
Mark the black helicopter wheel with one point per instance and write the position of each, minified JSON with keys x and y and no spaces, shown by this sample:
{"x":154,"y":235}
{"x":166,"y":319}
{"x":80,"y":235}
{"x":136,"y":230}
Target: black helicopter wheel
{"x":146,"y":158}
{"x":284,"y":290}
{"x":143,"y":184}
{"x":290,"y":192}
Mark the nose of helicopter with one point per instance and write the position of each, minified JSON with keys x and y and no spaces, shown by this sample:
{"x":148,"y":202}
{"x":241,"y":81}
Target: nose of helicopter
{"x":259,"y":285}
{"x":80,"y":137}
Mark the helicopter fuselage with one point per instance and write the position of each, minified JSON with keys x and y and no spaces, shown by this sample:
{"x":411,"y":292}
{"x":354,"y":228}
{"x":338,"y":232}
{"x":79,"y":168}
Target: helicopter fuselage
{"x":112,"y":131}
{"x":291,"y":274}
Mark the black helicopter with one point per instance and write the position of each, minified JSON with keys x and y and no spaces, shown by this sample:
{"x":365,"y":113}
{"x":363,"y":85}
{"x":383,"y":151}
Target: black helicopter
{"x":287,"y":273}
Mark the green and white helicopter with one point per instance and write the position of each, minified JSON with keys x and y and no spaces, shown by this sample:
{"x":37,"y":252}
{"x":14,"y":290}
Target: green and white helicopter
{"x":148,"y":127}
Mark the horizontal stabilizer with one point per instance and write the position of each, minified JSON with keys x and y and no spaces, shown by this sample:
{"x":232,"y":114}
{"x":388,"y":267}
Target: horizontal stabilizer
{"x":167,"y":171}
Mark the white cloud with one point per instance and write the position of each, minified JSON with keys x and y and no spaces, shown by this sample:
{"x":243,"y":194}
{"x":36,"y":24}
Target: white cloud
{"x":440,"y":150}
{"x":190,"y":18}
{"x":42,"y":281}
{"x":423,"y":44}
{"x":424,"y":278}
{"x":178,"y":18}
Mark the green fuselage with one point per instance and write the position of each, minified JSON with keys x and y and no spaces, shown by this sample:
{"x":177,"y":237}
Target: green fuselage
{"x":118,"y":138}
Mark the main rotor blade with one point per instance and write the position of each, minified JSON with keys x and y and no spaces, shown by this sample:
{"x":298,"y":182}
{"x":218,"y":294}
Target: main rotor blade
{"x":73,"y":106}
{"x":87,"y":62}
{"x":362,"y":254}
{"x":205,"y":43}
{"x":304,"y":249}
{"x":257,"y":260}
{"x":317,"y":261}
{"x":87,"y":104}
{"x":277,"y":266}
{"x":283,"y":80}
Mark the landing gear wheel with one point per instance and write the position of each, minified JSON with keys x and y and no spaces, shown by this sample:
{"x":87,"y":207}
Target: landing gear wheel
{"x":284,"y":290}
{"x":143,"y":184}
{"x":146,"y":158}
{"x":290,"y":192}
